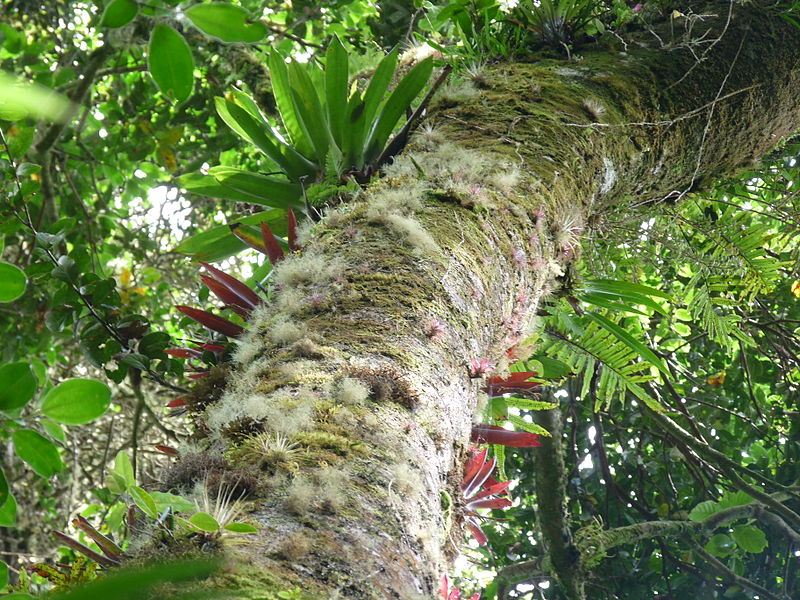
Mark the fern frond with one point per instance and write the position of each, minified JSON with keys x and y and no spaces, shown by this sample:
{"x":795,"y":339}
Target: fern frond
{"x":621,"y":370}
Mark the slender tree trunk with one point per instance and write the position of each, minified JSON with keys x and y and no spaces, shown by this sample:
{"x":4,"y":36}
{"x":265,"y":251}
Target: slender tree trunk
{"x":363,"y":356}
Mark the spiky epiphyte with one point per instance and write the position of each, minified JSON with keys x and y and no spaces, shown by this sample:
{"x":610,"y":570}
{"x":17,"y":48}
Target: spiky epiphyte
{"x":266,"y":449}
{"x":225,"y":506}
{"x":481,"y":491}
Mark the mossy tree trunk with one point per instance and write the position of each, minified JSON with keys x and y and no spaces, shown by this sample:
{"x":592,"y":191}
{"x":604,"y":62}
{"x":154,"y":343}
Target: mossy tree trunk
{"x":363,"y":356}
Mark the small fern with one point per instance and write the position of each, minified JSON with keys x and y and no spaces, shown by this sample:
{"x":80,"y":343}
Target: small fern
{"x":585,"y":345}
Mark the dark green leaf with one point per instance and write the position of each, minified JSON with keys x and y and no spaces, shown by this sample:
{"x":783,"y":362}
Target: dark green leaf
{"x":153,"y":344}
{"x":77,"y":401}
{"x":170,"y":62}
{"x":38,"y":452}
{"x":17,"y":385}
{"x":226,"y":22}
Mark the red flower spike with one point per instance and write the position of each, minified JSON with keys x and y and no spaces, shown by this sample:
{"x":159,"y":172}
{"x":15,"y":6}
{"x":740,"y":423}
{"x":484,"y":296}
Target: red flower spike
{"x":481,"y":491}
{"x":177,"y":402}
{"x":274,"y":250}
{"x":183,"y":353}
{"x":292,"y":230}
{"x":213,"y":322}
{"x":455,"y":594}
{"x":515,"y":383}
{"x":248,"y":299}
{"x":199,"y":375}
{"x":492,"y":434}
{"x":222,"y":292}
{"x":166,"y":449}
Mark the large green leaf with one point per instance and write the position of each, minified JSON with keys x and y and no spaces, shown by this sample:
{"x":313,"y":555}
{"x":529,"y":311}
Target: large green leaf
{"x":3,"y":575}
{"x":38,"y":452}
{"x":362,"y":110}
{"x":259,"y":189}
{"x":242,"y":122}
{"x":19,"y":99}
{"x":170,"y":62}
{"x":750,"y":538}
{"x":226,"y":22}
{"x":77,"y":401}
{"x":119,"y":13}
{"x":281,"y":90}
{"x":337,"y":71}
{"x":396,"y":106}
{"x":17,"y":385}
{"x":309,"y":110}
{"x":219,"y":243}
{"x":12,"y":278}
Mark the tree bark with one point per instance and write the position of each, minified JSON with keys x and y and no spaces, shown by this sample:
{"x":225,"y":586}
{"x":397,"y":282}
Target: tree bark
{"x":363,"y":355}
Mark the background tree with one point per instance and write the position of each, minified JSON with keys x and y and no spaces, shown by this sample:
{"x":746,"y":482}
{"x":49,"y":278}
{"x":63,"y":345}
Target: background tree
{"x":568,"y":208}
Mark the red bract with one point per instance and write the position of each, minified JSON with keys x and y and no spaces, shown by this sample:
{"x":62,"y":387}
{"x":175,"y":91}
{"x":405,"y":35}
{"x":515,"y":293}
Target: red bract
{"x":480,"y":492}
{"x":231,"y":291}
{"x":213,"y":322}
{"x":515,"y":383}
{"x":455,"y":593}
{"x":492,"y":434}
{"x":292,"y":230}
{"x":166,"y":449}
{"x":183,"y":353}
{"x":180,"y":401}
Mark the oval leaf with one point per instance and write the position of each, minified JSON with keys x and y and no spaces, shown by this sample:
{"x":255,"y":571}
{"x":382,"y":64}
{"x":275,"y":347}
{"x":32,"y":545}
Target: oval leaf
{"x":8,"y":512}
{"x":38,"y":452}
{"x":241,"y":528}
{"x":204,"y":521}
{"x":144,"y":501}
{"x":4,"y":495}
{"x":226,"y":22}
{"x":17,"y":385}
{"x":170,"y":62}
{"x":750,"y":538}
{"x":119,"y":13}
{"x":12,"y":281}
{"x":77,"y":401}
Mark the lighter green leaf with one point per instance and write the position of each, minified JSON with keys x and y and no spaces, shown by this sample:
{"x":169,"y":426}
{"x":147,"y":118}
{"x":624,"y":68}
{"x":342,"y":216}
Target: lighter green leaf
{"x":77,"y":401}
{"x":170,"y":62}
{"x":12,"y":279}
{"x":204,"y":522}
{"x":38,"y":452}
{"x":750,"y":538}
{"x":226,"y":22}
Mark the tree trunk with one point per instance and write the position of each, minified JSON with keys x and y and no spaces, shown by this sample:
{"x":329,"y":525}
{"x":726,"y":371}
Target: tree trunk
{"x":363,"y":355}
